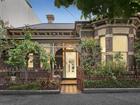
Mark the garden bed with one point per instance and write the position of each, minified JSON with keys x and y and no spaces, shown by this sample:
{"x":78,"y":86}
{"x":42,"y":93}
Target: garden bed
{"x":31,"y":88}
{"x":110,"y":83}
{"x":40,"y":80}
{"x":111,"y":90}
{"x":28,"y":92}
{"x":111,"y":86}
{"x":42,"y":84}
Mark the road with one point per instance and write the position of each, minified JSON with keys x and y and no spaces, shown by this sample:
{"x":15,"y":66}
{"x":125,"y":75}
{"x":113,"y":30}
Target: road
{"x":73,"y":99}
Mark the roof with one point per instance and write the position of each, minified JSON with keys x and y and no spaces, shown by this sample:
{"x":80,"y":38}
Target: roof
{"x":52,"y":26}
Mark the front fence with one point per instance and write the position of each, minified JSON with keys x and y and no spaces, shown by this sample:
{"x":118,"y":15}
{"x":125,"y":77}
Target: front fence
{"x":121,"y":77}
{"x":32,"y":75}
{"x":27,"y":76}
{"x":80,"y":78}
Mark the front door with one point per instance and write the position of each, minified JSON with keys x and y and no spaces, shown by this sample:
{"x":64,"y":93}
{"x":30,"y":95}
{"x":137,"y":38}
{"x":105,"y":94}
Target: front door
{"x":70,"y":65}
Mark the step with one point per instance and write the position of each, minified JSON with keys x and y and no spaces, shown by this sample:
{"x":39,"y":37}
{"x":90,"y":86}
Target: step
{"x":69,"y":89}
{"x":68,"y":82}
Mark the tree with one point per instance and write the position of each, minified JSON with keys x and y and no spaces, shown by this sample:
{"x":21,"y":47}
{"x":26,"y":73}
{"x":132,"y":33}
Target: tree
{"x":18,"y":56}
{"x":90,"y":55}
{"x":5,"y":45}
{"x":103,"y":8}
{"x":3,"y":38}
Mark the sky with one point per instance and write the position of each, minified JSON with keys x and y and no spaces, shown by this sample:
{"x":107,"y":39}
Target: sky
{"x":62,"y":15}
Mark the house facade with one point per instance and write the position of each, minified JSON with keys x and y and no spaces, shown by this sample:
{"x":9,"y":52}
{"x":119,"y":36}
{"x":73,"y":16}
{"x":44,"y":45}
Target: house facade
{"x":63,"y":39}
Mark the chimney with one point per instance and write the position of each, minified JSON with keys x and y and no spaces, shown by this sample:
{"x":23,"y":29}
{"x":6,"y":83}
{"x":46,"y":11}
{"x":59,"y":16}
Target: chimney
{"x":50,"y":18}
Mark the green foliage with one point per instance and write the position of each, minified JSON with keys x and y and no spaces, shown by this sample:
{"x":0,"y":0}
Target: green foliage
{"x":18,"y":56}
{"x":27,"y":86}
{"x":110,"y":83}
{"x":41,"y":84}
{"x":110,"y":69}
{"x":103,"y":8}
{"x":90,"y":55}
{"x":137,"y":51}
{"x":92,"y":66}
{"x":49,"y":84}
{"x":3,"y":39}
{"x":118,"y":57}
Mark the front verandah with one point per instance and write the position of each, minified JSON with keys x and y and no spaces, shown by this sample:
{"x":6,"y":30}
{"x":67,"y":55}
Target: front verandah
{"x":67,"y":61}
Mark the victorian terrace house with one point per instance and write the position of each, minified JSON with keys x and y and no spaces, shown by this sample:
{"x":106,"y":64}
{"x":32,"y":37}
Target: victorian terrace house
{"x":62,"y":40}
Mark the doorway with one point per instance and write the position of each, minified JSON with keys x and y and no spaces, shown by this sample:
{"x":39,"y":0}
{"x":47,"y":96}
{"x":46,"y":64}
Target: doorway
{"x":70,"y":64}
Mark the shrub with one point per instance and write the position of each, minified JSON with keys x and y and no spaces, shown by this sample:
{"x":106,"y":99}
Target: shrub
{"x":27,"y":86}
{"x":111,"y":69}
{"x":110,"y":83}
{"x":90,"y":55}
{"x":39,"y":85}
{"x":48,"y":84}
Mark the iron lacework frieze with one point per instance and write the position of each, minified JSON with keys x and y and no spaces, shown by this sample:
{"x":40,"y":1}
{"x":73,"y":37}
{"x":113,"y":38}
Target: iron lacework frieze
{"x":44,"y":32}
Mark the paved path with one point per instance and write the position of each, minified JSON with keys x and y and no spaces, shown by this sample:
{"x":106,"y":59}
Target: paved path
{"x":77,"y":99}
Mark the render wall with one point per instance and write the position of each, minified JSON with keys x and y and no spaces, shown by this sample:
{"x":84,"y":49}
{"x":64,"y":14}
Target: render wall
{"x":17,"y":13}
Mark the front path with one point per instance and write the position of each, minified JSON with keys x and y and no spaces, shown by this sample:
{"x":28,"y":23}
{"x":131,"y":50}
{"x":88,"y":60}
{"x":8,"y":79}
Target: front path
{"x":73,"y":99}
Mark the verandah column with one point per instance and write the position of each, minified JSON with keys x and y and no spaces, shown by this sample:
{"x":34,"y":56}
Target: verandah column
{"x":52,"y":53}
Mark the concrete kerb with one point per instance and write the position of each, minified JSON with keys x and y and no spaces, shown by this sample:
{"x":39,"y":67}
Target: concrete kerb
{"x":111,"y":90}
{"x":85,"y":90}
{"x":28,"y":92}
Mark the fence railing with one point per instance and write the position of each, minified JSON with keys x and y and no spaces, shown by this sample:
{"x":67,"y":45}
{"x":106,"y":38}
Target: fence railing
{"x":80,"y":78}
{"x":122,"y":77}
{"x":29,"y":75}
{"x":32,"y":75}
{"x":131,"y":75}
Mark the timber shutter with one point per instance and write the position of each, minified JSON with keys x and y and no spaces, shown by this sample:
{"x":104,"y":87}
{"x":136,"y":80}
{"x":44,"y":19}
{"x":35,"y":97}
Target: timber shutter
{"x":130,"y":44}
{"x":108,"y":44}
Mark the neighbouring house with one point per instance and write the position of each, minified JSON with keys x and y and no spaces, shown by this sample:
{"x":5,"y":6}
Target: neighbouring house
{"x":17,"y":13}
{"x":63,"y":39}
